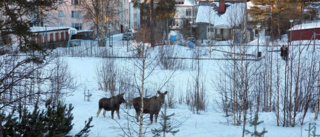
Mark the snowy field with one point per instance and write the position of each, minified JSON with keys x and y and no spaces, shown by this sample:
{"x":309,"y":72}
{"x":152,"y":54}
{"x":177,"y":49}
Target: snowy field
{"x":209,"y":123}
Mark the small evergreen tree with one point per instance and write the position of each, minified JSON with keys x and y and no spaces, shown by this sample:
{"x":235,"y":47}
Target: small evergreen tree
{"x":31,"y":124}
{"x":54,"y":121}
{"x":9,"y":128}
{"x":166,"y":126}
{"x":255,"y":123}
{"x":84,"y":132}
{"x":59,"y":119}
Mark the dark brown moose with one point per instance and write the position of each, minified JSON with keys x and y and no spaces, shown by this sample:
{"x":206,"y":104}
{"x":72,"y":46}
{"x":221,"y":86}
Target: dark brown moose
{"x":150,"y":105}
{"x":111,"y":104}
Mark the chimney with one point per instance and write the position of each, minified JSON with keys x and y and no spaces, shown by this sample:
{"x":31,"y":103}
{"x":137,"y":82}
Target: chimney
{"x":222,"y":7}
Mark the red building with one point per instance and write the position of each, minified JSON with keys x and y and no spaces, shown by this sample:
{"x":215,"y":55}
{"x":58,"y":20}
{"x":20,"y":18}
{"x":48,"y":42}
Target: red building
{"x":51,"y":36}
{"x":304,"y":32}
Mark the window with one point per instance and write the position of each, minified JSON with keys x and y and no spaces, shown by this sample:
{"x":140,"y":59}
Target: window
{"x":211,"y":29}
{"x":218,"y":31}
{"x":75,"y":2}
{"x":179,"y":2}
{"x":60,"y":1}
{"x":77,"y":26}
{"x":61,"y":24}
{"x":61,"y":13}
{"x":75,"y":14}
{"x":188,"y":12}
{"x":144,"y":18}
{"x":177,"y":22}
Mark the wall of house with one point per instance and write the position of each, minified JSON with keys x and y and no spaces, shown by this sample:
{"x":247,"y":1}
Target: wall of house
{"x":129,"y":16}
{"x":180,"y":15}
{"x":63,"y":16}
{"x":202,"y":29}
{"x":55,"y":18}
{"x":303,"y":34}
{"x":50,"y":37}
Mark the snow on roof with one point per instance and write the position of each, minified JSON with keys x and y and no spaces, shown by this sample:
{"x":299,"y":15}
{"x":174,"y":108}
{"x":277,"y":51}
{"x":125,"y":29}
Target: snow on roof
{"x":232,"y":17}
{"x":187,"y":3}
{"x":40,"y":29}
{"x":84,"y":31}
{"x":312,"y":25}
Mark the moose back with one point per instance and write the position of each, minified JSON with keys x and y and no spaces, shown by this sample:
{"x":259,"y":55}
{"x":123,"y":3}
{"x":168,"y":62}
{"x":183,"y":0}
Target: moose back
{"x":150,"y":105}
{"x":111,"y":104}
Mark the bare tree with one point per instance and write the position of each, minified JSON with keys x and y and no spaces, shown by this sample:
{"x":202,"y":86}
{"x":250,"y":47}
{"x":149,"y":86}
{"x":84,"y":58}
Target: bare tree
{"x":107,"y":76}
{"x":103,"y":14}
{"x":61,"y":80}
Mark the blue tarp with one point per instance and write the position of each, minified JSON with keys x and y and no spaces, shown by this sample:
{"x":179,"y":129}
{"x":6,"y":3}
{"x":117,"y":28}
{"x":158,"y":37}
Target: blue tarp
{"x":173,"y":38}
{"x":190,"y":44}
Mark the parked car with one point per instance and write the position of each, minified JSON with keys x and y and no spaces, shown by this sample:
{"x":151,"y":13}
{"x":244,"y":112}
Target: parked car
{"x":127,"y":36}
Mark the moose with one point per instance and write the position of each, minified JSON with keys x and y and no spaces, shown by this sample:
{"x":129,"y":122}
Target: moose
{"x":112,"y":104}
{"x":150,"y":105}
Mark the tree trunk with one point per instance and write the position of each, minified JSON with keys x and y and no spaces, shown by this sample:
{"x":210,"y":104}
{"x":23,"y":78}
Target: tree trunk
{"x":278,"y":94}
{"x":152,"y":24}
{"x":270,"y":97}
{"x":296,"y":90}
{"x":317,"y":97}
{"x":234,"y":101}
{"x":142,"y":92}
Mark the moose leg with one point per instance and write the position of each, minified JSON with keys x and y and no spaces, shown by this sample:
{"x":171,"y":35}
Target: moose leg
{"x":98,"y":112}
{"x":137,"y":116}
{"x":104,"y":113}
{"x":156,"y":117}
{"x":151,"y":117}
{"x":118,"y":114}
{"x":112,"y":114}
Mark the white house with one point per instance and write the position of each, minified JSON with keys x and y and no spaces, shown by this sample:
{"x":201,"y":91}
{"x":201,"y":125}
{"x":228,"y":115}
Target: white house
{"x":219,"y":18}
{"x":186,"y":11}
{"x":68,"y":14}
{"x":129,"y":16}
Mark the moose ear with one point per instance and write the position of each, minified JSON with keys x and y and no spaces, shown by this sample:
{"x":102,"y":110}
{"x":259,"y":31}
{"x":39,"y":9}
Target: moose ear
{"x":121,"y":94}
{"x":158,"y":92}
{"x":166,"y":92}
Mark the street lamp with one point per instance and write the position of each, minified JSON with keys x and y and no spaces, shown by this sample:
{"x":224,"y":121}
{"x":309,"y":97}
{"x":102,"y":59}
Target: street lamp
{"x":110,"y":45}
{"x":190,"y":28}
{"x":258,"y":28}
{"x":291,"y":20}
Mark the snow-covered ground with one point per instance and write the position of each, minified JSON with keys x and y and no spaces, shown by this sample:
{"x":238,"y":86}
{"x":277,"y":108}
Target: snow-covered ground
{"x":209,"y":123}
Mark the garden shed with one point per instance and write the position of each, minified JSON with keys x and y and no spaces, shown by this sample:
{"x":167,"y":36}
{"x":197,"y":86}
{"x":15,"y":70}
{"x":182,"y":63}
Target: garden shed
{"x":304,"y":32}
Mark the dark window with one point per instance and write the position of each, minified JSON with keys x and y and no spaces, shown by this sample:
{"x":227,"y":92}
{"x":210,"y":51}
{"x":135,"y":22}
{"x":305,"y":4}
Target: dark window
{"x":210,"y":29}
{"x":75,"y":14}
{"x":77,"y":26}
{"x":75,"y":2}
{"x":188,"y":12}
{"x":61,"y":13}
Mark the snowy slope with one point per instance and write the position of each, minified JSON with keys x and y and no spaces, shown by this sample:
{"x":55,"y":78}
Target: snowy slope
{"x":210,"y":123}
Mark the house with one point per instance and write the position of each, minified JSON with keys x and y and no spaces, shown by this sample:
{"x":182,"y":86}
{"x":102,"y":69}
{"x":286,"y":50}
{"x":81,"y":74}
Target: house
{"x":186,"y":11}
{"x":51,"y":36}
{"x":83,"y":34}
{"x":307,"y":31}
{"x":71,"y":13}
{"x":131,"y":19}
{"x":219,"y":20}
{"x":68,"y":14}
